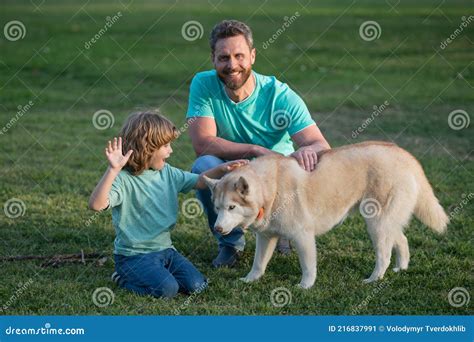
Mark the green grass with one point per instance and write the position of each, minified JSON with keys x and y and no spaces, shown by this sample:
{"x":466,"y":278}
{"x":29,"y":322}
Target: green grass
{"x":51,"y":158}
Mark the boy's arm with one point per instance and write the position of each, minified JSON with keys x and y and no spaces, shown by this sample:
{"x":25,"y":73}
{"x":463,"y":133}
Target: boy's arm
{"x":219,"y":171}
{"x":99,"y":199}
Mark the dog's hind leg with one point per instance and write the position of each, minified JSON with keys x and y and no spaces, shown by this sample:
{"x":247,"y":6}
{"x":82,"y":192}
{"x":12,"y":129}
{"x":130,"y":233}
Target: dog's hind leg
{"x":265,"y":245}
{"x":386,"y":228}
{"x":306,"y":247}
{"x":402,"y":251}
{"x":382,"y":241}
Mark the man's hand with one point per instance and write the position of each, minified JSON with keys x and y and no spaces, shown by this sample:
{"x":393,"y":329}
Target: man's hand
{"x":234,"y":164}
{"x":306,"y":157}
{"x":114,"y":154}
{"x":258,"y":151}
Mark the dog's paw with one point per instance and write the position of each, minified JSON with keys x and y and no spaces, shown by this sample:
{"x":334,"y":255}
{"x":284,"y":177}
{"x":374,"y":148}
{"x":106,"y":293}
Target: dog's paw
{"x":305,"y":286}
{"x":251,"y":277}
{"x":371,"y":280}
{"x":245,"y":280}
{"x":398,"y":269}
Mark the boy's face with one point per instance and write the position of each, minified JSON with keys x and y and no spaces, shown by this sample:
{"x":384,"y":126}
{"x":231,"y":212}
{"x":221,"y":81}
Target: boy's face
{"x":158,"y":158}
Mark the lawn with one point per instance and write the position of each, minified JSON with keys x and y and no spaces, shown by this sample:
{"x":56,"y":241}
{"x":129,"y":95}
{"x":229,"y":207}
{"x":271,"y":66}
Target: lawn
{"x":64,"y":66}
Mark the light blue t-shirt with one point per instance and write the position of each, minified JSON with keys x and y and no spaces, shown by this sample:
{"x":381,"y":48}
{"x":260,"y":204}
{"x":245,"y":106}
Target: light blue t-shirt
{"x":145,"y":208}
{"x":268,"y":117}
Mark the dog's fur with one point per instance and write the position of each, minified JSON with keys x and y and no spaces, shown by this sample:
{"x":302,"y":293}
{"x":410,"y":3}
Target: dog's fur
{"x":275,"y":197}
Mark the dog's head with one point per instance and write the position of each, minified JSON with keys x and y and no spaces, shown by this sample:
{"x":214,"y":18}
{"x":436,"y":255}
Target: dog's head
{"x":236,"y":199}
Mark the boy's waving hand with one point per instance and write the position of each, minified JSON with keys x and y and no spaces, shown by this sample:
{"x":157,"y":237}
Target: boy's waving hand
{"x":114,"y":154}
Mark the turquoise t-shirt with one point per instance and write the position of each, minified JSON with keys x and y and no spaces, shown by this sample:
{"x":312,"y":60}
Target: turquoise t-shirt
{"x":268,"y":117}
{"x":145,"y":208}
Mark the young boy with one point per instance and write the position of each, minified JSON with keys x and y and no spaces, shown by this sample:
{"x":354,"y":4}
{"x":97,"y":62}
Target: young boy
{"x":142,"y":190}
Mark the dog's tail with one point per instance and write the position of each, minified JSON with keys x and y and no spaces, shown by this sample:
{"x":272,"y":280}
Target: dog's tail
{"x":427,"y":209}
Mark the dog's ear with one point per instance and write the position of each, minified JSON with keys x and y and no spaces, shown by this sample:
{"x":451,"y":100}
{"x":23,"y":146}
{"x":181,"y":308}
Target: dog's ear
{"x":211,"y":183}
{"x":242,"y":187}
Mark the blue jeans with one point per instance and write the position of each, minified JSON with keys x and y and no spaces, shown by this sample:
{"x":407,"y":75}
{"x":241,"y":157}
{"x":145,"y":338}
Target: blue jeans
{"x":235,"y":238}
{"x":160,"y":274}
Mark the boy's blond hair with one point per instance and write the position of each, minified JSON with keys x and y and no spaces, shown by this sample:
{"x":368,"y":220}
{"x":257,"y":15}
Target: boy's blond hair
{"x":144,"y":133}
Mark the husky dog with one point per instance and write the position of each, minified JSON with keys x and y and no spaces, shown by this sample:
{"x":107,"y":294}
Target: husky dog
{"x":275,"y":197}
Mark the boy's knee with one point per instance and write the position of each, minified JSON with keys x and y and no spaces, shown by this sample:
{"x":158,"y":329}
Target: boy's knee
{"x":168,"y":289}
{"x":204,"y":163}
{"x":198,"y":286}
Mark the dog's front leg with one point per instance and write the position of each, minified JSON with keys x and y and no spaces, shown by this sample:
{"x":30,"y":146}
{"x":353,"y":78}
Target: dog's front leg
{"x":306,"y":247}
{"x":265,"y":245}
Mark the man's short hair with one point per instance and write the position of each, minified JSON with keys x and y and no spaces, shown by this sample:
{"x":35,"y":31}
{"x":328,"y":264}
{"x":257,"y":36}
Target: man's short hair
{"x":230,"y":28}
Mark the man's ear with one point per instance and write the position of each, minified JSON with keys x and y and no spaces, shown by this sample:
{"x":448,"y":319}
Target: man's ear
{"x":211,"y":183}
{"x":253,"y":54}
{"x":212,"y":58}
{"x":242,"y":187}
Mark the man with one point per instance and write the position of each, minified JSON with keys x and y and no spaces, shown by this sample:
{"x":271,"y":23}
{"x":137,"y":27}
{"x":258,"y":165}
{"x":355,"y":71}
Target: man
{"x":236,"y":113}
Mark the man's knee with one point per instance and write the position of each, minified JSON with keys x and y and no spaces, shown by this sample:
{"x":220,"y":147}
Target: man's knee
{"x":204,"y":163}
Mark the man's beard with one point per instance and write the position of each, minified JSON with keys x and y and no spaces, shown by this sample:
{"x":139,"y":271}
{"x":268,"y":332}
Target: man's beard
{"x":235,"y":84}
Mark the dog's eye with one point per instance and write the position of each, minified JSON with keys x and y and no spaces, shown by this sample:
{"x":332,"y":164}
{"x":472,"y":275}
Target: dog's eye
{"x":231,"y":207}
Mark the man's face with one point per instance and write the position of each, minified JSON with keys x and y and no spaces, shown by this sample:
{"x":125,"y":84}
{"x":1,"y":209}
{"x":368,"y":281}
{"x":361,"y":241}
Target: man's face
{"x":233,"y":60}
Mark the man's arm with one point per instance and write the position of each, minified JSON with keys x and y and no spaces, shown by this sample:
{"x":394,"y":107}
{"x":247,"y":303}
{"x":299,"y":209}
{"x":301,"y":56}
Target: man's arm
{"x":203,"y":133}
{"x":309,"y":141}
